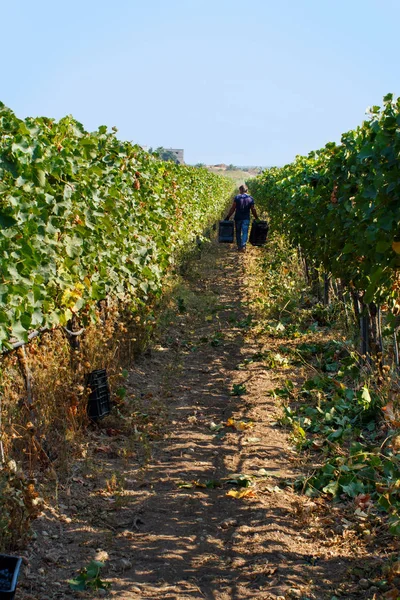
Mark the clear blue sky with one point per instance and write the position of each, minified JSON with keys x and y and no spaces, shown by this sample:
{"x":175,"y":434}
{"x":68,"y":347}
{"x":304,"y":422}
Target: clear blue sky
{"x":248,"y":83}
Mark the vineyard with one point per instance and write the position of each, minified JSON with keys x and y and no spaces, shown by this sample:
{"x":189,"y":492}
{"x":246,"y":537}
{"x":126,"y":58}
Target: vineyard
{"x":252,"y":446}
{"x":340,"y":207}
{"x":91,"y":230}
{"x":85,"y":217}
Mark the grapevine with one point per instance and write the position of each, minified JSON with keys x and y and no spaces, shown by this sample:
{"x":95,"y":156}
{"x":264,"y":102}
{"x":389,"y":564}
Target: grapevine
{"x":84,"y":216}
{"x":341,"y":205}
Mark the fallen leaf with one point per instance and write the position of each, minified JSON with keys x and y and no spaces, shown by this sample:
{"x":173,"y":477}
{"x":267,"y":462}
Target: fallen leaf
{"x":195,"y":483}
{"x":215,"y":426}
{"x":239,"y":425}
{"x":275,"y":488}
{"x":395,"y":569}
{"x":318,"y":443}
{"x":392,"y":594}
{"x":347,"y":524}
{"x":388,"y":413}
{"x":112,"y":432}
{"x":263,"y":473}
{"x":242,"y":425}
{"x":185,"y":485}
{"x":242,"y":493}
{"x":199,"y":484}
{"x":363,"y":500}
{"x":240,"y":480}
{"x":103,"y":449}
{"x":213,"y":483}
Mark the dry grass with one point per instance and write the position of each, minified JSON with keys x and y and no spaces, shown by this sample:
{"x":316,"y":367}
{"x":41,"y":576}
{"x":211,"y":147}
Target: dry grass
{"x":43,"y":392}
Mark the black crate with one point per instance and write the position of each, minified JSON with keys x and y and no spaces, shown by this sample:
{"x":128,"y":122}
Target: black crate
{"x":258,"y":233}
{"x":226,"y":232}
{"x":99,"y":401}
{"x":9,"y":572}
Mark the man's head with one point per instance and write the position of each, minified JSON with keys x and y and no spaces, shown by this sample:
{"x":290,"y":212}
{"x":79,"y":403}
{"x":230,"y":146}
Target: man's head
{"x":243,"y":189}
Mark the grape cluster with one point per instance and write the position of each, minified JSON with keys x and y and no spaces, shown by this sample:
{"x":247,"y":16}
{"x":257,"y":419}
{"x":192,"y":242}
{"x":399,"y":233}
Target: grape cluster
{"x":5,"y":579}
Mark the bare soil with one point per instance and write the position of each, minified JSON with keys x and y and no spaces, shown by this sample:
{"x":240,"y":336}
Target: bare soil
{"x":138,"y":498}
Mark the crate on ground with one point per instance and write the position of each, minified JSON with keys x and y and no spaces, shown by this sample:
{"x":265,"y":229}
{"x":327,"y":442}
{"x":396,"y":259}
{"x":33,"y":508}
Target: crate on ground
{"x":226,"y":232}
{"x":99,"y":401}
{"x":258,"y":233}
{"x":9,"y":572}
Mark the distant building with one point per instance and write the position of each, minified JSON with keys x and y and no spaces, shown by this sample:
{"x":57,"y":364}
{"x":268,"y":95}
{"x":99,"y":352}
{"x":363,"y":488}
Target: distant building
{"x":178,"y":154}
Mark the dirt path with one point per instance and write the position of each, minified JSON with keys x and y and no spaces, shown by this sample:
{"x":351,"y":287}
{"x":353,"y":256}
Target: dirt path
{"x":137,"y":500}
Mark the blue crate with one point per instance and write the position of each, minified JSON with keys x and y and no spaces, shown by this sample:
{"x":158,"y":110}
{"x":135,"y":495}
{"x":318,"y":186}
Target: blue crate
{"x":9,"y":572}
{"x":226,"y":232}
{"x":99,"y":401}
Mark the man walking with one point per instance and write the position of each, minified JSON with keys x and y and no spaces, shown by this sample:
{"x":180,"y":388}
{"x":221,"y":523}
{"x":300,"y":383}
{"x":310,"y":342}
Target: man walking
{"x":241,"y":206}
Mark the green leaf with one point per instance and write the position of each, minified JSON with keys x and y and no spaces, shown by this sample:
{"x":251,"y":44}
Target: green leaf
{"x":7,"y":221}
{"x":348,"y":248}
{"x":367,"y":152}
{"x":395,"y":528}
{"x":332,"y":488}
{"x":79,"y":585}
{"x":37,"y":318}
{"x":121,"y":392}
{"x":383,"y":245}
{"x":336,"y":434}
{"x":366,"y":396}
{"x":19,"y":332}
{"x":384,"y":502}
{"x":353,"y":489}
{"x":26,"y":321}
{"x":39,"y":178}
{"x":93,"y":568}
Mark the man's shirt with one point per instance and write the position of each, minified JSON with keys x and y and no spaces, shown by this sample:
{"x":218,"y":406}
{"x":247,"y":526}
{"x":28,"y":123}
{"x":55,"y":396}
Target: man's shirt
{"x":244,"y":202}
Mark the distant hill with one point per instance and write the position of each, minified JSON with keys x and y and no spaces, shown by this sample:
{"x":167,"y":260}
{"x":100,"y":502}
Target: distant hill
{"x":238,"y":174}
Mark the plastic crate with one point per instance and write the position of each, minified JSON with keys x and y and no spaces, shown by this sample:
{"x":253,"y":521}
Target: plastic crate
{"x":9,"y":572}
{"x":99,"y":401}
{"x":226,"y":232}
{"x":258,"y":233}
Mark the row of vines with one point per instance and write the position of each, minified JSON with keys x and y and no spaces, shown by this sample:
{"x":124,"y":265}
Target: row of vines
{"x":340,"y":207}
{"x":92,"y":230}
{"x":85,"y":216}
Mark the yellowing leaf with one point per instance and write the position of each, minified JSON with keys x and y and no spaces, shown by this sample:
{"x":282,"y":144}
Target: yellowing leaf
{"x":70,"y":296}
{"x":396,"y":247}
{"x":242,"y":425}
{"x":242,"y":493}
{"x":239,"y":425}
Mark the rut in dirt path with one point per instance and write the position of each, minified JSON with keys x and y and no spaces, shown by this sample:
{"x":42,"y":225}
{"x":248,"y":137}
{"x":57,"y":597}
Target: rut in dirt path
{"x":192,"y":543}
